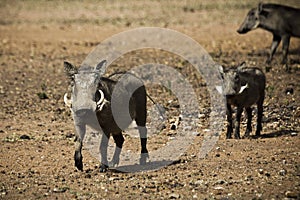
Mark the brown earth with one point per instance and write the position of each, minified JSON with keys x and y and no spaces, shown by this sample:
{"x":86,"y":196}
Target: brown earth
{"x":36,"y":129}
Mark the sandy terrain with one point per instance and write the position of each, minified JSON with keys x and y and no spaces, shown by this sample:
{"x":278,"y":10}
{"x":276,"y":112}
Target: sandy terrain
{"x":36,"y":129}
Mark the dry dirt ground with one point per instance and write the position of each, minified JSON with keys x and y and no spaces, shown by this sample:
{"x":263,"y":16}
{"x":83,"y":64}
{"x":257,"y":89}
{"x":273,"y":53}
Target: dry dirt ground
{"x":36,"y":129}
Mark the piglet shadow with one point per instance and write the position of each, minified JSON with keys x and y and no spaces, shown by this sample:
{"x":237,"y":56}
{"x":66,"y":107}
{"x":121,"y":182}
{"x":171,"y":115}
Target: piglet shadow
{"x":275,"y":134}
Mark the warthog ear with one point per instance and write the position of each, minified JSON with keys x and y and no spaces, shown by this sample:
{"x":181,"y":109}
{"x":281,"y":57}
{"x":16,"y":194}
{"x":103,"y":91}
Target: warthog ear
{"x":70,"y":69}
{"x":101,"y":67}
{"x":261,"y":11}
{"x":221,"y":69}
{"x":242,"y":66}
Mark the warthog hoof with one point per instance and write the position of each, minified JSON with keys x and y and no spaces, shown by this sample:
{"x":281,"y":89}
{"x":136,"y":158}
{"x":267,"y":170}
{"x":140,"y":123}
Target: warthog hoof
{"x":103,"y":167}
{"x":114,"y":163}
{"x":78,"y":161}
{"x":143,"y":158}
{"x":247,"y":134}
{"x":237,"y":136}
{"x":257,"y":133}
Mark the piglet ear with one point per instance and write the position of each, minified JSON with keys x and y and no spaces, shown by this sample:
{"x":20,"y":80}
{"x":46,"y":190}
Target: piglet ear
{"x":260,"y":7}
{"x":242,"y":66}
{"x":101,"y":67}
{"x":221,"y":69}
{"x":70,"y":69}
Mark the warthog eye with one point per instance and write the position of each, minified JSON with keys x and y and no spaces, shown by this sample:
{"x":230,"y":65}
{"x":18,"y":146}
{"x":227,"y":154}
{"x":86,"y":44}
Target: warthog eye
{"x":236,"y":78}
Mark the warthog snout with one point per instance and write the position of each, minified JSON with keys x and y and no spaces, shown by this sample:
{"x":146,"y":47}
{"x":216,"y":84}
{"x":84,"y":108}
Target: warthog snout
{"x":83,"y":112}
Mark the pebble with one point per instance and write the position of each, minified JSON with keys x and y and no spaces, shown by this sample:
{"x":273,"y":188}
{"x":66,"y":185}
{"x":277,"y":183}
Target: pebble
{"x":201,"y":115}
{"x":261,"y":171}
{"x":24,"y":137}
{"x":290,"y":194}
{"x":267,"y":174}
{"x":219,"y":188}
{"x":282,"y":172}
{"x":198,"y":182}
{"x":220,"y":182}
{"x":294,"y":134}
{"x":59,"y":190}
{"x":284,"y":162}
{"x":113,"y":178}
{"x":174,"y":196}
{"x":196,"y":134}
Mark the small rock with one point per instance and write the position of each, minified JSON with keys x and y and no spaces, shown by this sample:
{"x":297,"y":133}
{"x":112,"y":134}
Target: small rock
{"x":290,"y":194}
{"x":261,"y":171}
{"x":88,"y":176}
{"x":267,"y":174}
{"x":289,"y":91}
{"x":198,"y":182}
{"x":282,"y":172}
{"x":174,"y":196}
{"x":59,"y":190}
{"x":113,"y":178}
{"x":220,"y":182}
{"x":294,"y":134}
{"x":70,"y":135}
{"x":218,"y":188}
{"x":284,"y":162}
{"x":196,"y":134}
{"x":24,"y":137}
{"x":201,"y":115}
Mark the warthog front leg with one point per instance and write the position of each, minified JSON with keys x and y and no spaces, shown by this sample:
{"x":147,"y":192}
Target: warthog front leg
{"x":119,"y":140}
{"x":285,"y":48}
{"x":229,"y":122}
{"x":237,"y":122}
{"x":249,"y":119}
{"x":144,"y":151}
{"x":80,"y":132}
{"x":259,"y":116}
{"x":275,"y":43}
{"x":103,"y":152}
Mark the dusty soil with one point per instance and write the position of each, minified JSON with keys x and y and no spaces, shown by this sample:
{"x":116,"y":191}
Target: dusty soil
{"x":36,"y":129}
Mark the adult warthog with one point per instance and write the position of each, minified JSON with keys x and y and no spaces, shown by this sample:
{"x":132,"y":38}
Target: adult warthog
{"x":282,"y":21}
{"x":105,"y":105}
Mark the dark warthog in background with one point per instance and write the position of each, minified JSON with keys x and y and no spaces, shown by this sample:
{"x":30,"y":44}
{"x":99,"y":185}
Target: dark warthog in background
{"x":243,"y":87}
{"x":282,"y":21}
{"x":93,"y":102}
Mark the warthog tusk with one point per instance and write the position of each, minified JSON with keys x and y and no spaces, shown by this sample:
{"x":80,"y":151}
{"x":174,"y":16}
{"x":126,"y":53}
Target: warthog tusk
{"x":101,"y":101}
{"x":101,"y":97}
{"x":243,"y":88}
{"x":67,"y":101}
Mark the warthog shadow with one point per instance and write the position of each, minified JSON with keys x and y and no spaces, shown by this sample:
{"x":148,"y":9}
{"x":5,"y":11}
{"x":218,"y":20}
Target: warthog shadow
{"x":149,"y":166}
